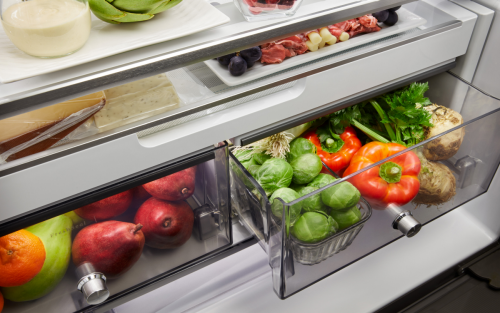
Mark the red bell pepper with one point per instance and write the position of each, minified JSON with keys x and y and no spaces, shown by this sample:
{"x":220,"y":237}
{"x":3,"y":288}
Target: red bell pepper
{"x":393,"y":182}
{"x":337,"y":161}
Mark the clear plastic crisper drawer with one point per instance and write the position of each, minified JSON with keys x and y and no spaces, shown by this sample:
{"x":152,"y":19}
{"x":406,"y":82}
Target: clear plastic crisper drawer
{"x":433,"y":177}
{"x":140,"y":232}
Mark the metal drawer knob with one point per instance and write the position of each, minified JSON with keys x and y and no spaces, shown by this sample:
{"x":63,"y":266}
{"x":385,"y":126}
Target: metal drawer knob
{"x":404,"y":221}
{"x":92,"y":284}
{"x":407,"y":224}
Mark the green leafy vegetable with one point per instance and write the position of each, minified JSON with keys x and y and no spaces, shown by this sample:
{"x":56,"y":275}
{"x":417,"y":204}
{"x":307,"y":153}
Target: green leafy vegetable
{"x":287,"y":195}
{"x":298,"y":147}
{"x":398,"y":116}
{"x":274,"y":174}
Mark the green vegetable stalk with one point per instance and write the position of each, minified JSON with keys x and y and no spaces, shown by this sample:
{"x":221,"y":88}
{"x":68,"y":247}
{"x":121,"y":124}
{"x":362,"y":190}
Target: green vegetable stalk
{"x":127,"y":11}
{"x":394,"y":117}
{"x":277,"y":145}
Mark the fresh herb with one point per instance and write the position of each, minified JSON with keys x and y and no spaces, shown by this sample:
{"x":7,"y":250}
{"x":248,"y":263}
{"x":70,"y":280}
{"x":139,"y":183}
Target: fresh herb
{"x":402,"y":114}
{"x":359,"y":116}
{"x":394,"y":117}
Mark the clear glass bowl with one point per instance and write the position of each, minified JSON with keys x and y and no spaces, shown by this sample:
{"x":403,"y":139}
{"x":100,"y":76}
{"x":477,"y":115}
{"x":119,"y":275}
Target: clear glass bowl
{"x":46,"y":28}
{"x":259,"y":10}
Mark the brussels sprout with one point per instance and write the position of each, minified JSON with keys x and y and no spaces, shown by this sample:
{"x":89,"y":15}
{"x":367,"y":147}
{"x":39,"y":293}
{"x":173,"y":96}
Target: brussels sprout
{"x":312,"y":203}
{"x":298,"y":147}
{"x":312,"y":227}
{"x":260,"y":158}
{"x":322,"y":180}
{"x":253,"y":168}
{"x":245,"y":157}
{"x":305,"y":168}
{"x":296,"y":187}
{"x":287,"y":195}
{"x":346,"y":218}
{"x":341,"y":196}
{"x":274,"y":174}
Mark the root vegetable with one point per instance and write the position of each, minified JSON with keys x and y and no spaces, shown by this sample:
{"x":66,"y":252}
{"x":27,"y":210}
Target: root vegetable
{"x":437,"y":183}
{"x":446,"y":146}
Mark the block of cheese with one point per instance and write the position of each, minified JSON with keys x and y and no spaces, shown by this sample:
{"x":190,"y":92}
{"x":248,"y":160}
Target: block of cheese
{"x":31,"y":122}
{"x":140,"y":85}
{"x":140,"y":101}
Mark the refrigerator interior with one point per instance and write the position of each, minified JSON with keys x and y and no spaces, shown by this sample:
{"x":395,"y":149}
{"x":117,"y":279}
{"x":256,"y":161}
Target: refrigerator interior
{"x":201,"y":93}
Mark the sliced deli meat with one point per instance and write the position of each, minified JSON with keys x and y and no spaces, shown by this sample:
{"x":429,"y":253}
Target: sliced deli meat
{"x":363,"y":30}
{"x":368,"y":21}
{"x":273,"y":54}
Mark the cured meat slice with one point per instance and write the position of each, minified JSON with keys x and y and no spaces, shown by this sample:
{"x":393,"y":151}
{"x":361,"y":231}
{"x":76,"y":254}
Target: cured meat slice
{"x":348,"y":25}
{"x":363,"y":30}
{"x":265,"y":45}
{"x":273,"y":54}
{"x":368,"y":21}
{"x":290,"y":53}
{"x":295,"y":38}
{"x":295,"y":45}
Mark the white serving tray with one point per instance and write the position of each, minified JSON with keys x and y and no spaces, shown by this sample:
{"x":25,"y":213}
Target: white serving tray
{"x":407,"y":20}
{"x":186,"y":18}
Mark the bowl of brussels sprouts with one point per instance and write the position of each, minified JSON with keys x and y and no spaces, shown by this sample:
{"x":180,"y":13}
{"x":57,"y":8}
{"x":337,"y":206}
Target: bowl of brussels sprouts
{"x":316,"y":236}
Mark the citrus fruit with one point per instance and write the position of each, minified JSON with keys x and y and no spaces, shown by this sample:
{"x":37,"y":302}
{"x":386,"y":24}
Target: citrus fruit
{"x":22,"y":255}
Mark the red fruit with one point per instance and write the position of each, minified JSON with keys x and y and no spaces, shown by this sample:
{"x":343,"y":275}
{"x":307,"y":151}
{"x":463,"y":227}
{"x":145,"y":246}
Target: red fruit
{"x":106,"y":208}
{"x":140,"y":194}
{"x":167,"y":225}
{"x":112,"y":247}
{"x":175,"y":187}
{"x":272,"y":1}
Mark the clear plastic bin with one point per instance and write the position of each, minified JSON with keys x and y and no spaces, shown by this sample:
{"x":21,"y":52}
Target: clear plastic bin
{"x":466,"y":172}
{"x":115,"y":240}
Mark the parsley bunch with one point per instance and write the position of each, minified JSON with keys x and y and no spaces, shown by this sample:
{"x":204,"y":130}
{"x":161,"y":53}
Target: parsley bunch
{"x":394,"y":117}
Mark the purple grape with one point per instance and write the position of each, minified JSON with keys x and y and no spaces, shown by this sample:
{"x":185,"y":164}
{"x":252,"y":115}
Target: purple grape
{"x":251,"y":55}
{"x":381,"y":16}
{"x":392,"y":19}
{"x":225,"y":59}
{"x":237,"y":66}
{"x":394,"y":9}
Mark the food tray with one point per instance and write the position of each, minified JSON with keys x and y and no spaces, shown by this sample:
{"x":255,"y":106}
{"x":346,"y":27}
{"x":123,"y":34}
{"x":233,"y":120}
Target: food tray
{"x":186,"y":18}
{"x":314,"y":253}
{"x":407,"y":20}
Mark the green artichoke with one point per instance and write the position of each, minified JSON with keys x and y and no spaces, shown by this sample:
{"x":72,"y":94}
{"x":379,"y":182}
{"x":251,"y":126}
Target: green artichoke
{"x":127,"y":11}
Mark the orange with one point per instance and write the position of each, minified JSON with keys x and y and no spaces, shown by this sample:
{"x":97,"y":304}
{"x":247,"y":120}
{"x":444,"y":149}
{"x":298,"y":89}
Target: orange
{"x":21,"y":257}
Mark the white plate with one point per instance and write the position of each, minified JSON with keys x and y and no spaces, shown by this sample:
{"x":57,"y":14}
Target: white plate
{"x":407,"y":20}
{"x":186,"y":18}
